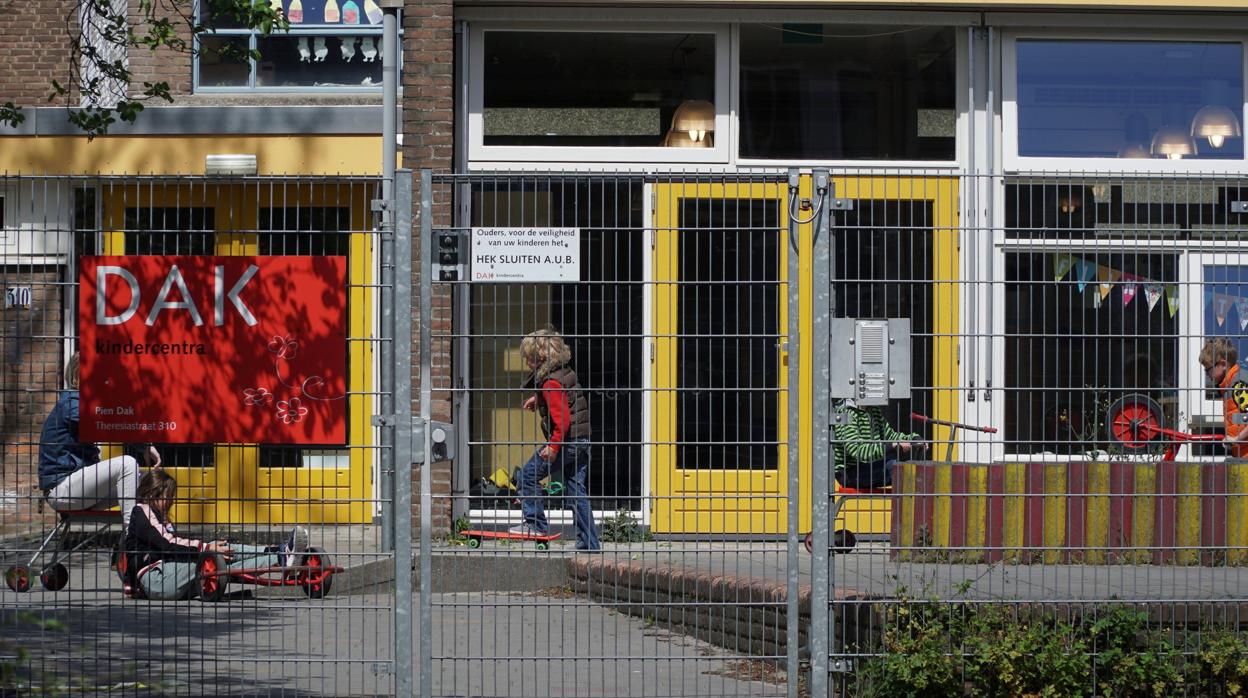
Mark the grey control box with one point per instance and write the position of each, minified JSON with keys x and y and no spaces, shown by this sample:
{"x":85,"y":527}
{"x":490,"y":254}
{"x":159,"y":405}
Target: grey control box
{"x":870,"y":360}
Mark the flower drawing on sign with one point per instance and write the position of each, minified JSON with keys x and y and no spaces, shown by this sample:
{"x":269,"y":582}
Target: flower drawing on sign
{"x":296,"y":389}
{"x":291,"y":411}
{"x":257,"y":396}
{"x":285,"y":347}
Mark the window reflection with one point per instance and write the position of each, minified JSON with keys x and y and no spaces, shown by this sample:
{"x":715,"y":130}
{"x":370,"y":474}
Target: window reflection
{"x":1129,"y":99}
{"x":847,"y":92}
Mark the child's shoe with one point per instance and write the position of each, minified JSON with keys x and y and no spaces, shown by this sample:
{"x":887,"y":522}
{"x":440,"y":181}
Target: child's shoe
{"x":288,"y":553}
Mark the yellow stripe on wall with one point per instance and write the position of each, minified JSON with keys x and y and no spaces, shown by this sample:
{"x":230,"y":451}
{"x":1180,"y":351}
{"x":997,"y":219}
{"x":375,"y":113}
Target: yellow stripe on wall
{"x":1143,"y":516}
{"x":1013,"y":486}
{"x":1054,"y":512}
{"x":1236,"y":513}
{"x":1189,"y":516}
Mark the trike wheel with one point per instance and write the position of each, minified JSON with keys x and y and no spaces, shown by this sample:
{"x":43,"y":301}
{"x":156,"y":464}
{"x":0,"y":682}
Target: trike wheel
{"x":18,"y":578}
{"x":1134,"y":422}
{"x":809,"y":542}
{"x":211,"y":578}
{"x":54,"y":578}
{"x":843,"y":541}
{"x":315,"y":579}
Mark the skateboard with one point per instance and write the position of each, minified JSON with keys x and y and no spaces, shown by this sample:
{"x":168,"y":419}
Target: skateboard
{"x":475,"y":538}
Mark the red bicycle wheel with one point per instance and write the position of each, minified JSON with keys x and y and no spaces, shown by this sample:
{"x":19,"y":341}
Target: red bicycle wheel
{"x":1134,"y":422}
{"x":212,"y":580}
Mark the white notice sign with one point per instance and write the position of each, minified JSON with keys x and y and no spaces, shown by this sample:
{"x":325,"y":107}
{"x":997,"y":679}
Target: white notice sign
{"x":526,"y":254}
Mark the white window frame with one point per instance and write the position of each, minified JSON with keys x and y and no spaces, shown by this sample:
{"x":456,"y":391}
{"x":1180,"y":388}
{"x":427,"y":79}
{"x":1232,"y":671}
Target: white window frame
{"x":1197,"y":406}
{"x":961,"y":117}
{"x":1013,"y":162}
{"x":478,"y":152}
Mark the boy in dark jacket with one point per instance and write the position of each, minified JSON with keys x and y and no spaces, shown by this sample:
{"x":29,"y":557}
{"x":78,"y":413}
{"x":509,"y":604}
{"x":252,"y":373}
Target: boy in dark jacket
{"x":559,"y":399}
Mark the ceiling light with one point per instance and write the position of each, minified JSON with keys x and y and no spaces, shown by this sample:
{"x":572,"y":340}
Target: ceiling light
{"x":1216,"y":124}
{"x":1173,"y":143}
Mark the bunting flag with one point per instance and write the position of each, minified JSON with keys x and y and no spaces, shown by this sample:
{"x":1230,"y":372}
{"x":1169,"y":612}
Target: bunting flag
{"x":1062,"y":262}
{"x":1097,"y":299}
{"x":1221,"y":305}
{"x":1084,"y":272}
{"x":1107,"y":277}
{"x":1129,"y":287}
{"x":1152,"y":293}
{"x":1172,"y":300}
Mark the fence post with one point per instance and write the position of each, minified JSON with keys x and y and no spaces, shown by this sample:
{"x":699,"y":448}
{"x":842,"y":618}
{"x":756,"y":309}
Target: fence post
{"x":822,"y":617}
{"x":794,"y":611}
{"x":426,"y":406}
{"x":402,"y":508}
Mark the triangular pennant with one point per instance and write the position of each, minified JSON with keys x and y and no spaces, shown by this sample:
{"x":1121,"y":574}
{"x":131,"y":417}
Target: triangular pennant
{"x":1172,"y":300}
{"x":1152,"y":293}
{"x":1062,"y":262}
{"x":1241,"y":307}
{"x":1221,"y":306}
{"x":1129,"y":288}
{"x":1084,"y":272}
{"x":1107,"y":277}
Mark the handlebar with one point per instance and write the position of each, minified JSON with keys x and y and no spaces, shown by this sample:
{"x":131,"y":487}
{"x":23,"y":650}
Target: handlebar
{"x":929,"y":420}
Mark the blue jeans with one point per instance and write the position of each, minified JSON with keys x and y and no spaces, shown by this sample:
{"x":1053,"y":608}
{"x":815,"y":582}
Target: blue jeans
{"x":867,"y":476}
{"x":573,"y":462}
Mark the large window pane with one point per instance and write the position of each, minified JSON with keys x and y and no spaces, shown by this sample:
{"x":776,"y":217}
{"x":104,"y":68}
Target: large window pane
{"x":319,"y":61}
{"x":815,"y":91}
{"x":591,"y":89}
{"x":1073,"y":347}
{"x":1129,"y":99}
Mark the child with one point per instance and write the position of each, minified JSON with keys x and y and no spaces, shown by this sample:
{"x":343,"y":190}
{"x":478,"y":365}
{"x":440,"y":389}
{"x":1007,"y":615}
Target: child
{"x":559,"y":399}
{"x":161,"y":565}
{"x":867,"y":447}
{"x":71,"y":474}
{"x":1223,"y":371}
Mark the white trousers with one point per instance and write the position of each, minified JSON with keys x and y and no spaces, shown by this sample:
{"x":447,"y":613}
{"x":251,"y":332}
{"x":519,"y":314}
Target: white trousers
{"x":106,"y":484}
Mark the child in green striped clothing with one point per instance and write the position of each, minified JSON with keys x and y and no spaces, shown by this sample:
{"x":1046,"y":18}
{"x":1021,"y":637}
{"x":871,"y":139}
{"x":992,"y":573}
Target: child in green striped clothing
{"x":868,"y":446}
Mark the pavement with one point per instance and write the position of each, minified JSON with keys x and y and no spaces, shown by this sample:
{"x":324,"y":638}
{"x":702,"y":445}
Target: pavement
{"x":504,"y":621}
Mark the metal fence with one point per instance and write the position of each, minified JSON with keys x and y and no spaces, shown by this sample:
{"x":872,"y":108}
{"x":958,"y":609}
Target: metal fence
{"x":1055,"y":325}
{"x":322,"y":261}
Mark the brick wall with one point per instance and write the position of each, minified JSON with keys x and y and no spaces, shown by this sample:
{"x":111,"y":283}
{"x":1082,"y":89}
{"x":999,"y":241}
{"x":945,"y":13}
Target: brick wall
{"x":164,"y":65}
{"x":30,"y":376}
{"x":428,"y":127}
{"x":35,"y":40}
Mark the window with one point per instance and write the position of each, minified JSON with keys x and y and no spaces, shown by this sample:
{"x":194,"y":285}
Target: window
{"x":596,"y":95}
{"x":329,"y":46}
{"x":1073,"y":348}
{"x":170,"y":230}
{"x":1127,"y":101}
{"x":821,"y":91}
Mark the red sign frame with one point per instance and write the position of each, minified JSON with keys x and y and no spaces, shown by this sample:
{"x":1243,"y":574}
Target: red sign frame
{"x":209,"y":349}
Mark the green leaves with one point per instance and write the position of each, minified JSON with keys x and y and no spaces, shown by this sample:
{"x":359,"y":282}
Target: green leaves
{"x":101,"y":82}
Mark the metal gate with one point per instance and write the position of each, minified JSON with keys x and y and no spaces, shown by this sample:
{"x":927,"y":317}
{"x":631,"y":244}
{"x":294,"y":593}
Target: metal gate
{"x":1062,"y":514}
{"x":329,"y":624}
{"x":671,"y":294}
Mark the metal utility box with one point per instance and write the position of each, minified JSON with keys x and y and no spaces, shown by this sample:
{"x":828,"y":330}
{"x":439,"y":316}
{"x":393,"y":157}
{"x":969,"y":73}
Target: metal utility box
{"x":870,"y":360}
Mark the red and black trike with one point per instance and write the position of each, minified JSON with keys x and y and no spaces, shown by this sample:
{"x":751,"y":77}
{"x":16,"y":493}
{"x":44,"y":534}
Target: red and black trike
{"x":1137,"y":423}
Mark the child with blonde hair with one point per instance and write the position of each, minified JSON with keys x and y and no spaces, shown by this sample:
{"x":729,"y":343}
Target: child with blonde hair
{"x":564,"y":408}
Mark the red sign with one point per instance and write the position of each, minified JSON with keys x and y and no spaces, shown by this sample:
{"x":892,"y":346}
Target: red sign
{"x":213,"y":349}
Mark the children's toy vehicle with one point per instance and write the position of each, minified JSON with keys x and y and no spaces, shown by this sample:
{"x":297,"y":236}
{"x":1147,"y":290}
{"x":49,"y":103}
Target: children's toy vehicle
{"x":1135,"y":422}
{"x":314,"y":574}
{"x":475,"y":537}
{"x":844,"y":540}
{"x":53,"y":574}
